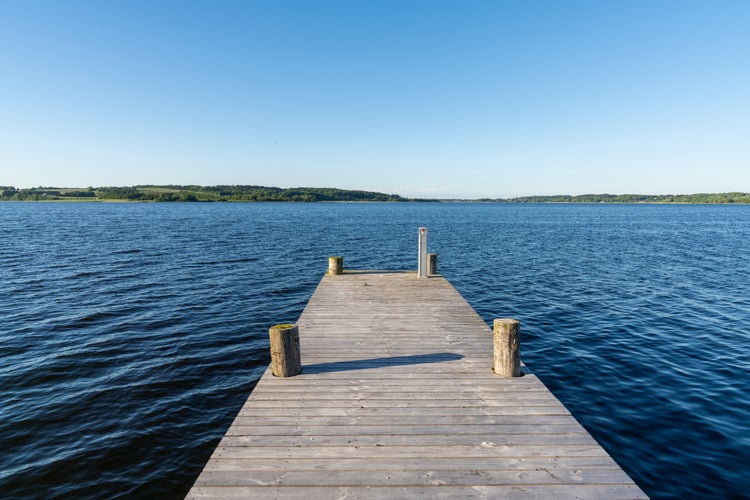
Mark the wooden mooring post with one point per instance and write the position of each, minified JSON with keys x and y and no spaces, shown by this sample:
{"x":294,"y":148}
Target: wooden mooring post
{"x":507,"y":358}
{"x":432,"y":263}
{"x":335,"y":265}
{"x":286,"y":360}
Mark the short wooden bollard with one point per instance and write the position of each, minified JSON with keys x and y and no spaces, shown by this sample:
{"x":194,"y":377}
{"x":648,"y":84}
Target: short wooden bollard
{"x":507,"y":362}
{"x":285,"y":354}
{"x":335,"y":265}
{"x":432,"y":263}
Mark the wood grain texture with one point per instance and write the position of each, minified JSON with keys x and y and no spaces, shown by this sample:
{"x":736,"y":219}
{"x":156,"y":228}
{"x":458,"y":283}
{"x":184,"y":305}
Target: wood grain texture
{"x":398,"y":399}
{"x":507,"y":348}
{"x":286,"y":360}
{"x":335,"y":265}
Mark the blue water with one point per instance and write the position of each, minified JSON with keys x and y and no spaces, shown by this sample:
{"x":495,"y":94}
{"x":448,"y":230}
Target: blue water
{"x":131,"y":334}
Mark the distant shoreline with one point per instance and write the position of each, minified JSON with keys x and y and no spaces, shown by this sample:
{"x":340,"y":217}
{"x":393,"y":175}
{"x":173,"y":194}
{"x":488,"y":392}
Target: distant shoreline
{"x":248,"y":193}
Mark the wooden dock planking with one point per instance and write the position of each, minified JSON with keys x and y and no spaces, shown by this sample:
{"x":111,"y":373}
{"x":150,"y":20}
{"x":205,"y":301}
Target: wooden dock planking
{"x":397,"y":399}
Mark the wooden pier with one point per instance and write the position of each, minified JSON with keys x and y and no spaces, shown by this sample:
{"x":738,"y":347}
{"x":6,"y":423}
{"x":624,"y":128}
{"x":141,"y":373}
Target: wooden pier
{"x":398,"y":399}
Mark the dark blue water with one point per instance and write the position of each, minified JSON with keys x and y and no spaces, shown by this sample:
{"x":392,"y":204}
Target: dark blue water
{"x":131,"y":334}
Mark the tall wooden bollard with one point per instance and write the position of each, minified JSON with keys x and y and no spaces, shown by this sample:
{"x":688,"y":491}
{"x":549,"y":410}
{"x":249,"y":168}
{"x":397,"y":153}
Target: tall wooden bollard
{"x":285,"y":354}
{"x":507,"y":362}
{"x":432,"y":263}
{"x":335,"y":265}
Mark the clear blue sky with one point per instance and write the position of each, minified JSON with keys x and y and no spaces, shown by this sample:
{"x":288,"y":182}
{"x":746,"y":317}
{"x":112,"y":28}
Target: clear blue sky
{"x":420,"y":98}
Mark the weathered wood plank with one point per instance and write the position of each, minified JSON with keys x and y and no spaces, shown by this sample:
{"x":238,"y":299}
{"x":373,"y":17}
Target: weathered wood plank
{"x":469,"y":450}
{"x":373,"y":389}
{"x":520,"y":492}
{"x":405,"y":412}
{"x":428,"y":401}
{"x":326,"y":429}
{"x":397,"y":399}
{"x":424,"y":464}
{"x":458,"y":422}
{"x":413,"y":477}
{"x":383,"y":379}
{"x":412,"y":440}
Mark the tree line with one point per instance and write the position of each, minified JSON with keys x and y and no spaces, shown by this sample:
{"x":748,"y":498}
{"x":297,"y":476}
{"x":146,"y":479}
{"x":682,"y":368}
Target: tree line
{"x":10,"y":193}
{"x":193,"y":193}
{"x":698,"y":198}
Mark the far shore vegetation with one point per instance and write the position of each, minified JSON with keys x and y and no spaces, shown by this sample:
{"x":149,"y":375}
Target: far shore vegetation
{"x":735,"y":197}
{"x":192,"y":194}
{"x":244,"y":193}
